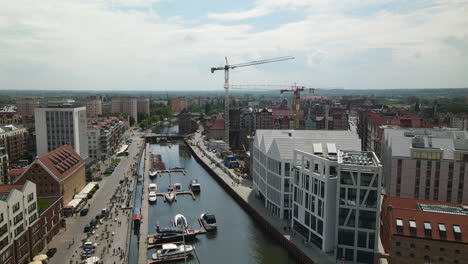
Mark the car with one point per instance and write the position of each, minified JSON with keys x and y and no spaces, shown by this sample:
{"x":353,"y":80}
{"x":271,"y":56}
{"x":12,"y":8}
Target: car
{"x":99,"y":216}
{"x":87,"y":228}
{"x":89,"y":244}
{"x":84,"y":212}
{"x":51,"y":252}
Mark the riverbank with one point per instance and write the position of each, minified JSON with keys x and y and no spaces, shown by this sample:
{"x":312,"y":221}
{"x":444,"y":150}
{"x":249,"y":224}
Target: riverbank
{"x":240,"y":190}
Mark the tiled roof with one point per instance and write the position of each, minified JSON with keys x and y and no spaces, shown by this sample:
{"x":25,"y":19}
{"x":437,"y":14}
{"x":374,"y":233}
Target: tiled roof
{"x":400,"y":211}
{"x":6,"y":188}
{"x":62,"y":161}
{"x":217,"y":124}
{"x":16,"y":172}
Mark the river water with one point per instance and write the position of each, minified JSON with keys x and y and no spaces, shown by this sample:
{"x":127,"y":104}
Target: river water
{"x":239,"y":238}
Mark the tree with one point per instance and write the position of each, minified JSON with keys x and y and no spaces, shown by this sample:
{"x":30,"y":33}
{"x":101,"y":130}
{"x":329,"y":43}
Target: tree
{"x":142,"y":116}
{"x":132,"y":121}
{"x":106,"y":111}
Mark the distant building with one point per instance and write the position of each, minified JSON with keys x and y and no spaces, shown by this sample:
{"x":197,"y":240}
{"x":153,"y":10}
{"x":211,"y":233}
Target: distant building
{"x":234,"y":128}
{"x":93,"y":106}
{"x":4,"y":163}
{"x":104,"y":136}
{"x":25,"y":107}
{"x":422,"y":231}
{"x":215,"y":128}
{"x":59,"y":124}
{"x":143,"y":105}
{"x":264,"y":119}
{"x":125,"y":105}
{"x":187,"y":125}
{"x":247,"y":126}
{"x":57,"y":173}
{"x":179,"y":104}
{"x":371,"y":125}
{"x":425,"y":163}
{"x":16,"y":141}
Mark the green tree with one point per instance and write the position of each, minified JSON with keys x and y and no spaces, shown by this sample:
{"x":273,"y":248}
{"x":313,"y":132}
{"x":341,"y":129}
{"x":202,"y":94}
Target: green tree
{"x":132,"y":121}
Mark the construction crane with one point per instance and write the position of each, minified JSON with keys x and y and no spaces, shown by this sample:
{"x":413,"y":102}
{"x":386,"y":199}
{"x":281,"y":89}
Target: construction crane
{"x":226,"y":69}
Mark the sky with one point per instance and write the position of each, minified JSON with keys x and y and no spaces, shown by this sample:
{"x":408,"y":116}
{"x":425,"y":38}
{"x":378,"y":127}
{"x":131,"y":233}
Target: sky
{"x":167,"y":45}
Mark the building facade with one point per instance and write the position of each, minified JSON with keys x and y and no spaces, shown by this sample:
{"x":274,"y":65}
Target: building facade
{"x":104,"y":136}
{"x":60,"y":125}
{"x":93,"y":106}
{"x":143,"y":105}
{"x":18,"y":213}
{"x":179,"y":104}
{"x":430,"y":164}
{"x":187,"y":125}
{"x":15,"y":140}
{"x":422,"y":231}
{"x":25,"y":107}
{"x":58,"y":173}
{"x":4,"y":163}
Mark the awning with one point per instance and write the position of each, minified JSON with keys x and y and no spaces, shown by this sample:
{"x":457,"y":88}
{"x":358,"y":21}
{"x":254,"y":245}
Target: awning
{"x":40,"y":257}
{"x":87,"y":188}
{"x":122,"y":149}
{"x":74,"y":203}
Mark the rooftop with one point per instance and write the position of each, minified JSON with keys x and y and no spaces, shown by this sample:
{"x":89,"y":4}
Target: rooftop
{"x":6,"y":188}
{"x":426,"y":219}
{"x":62,"y":161}
{"x":44,"y":203}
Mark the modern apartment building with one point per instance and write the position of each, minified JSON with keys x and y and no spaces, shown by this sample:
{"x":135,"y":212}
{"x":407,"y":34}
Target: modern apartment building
{"x":93,"y":106}
{"x":4,"y":166}
{"x":179,"y":104}
{"x":426,"y":163}
{"x":143,"y":105}
{"x":423,"y":231}
{"x":336,"y":200}
{"x":126,"y":105}
{"x":15,"y":140}
{"x":104,"y":136}
{"x":272,"y":156}
{"x":25,"y":107}
{"x":59,"y":124}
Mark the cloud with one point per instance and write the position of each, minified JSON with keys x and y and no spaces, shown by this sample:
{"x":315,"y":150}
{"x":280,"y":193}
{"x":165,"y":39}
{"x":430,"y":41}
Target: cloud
{"x":59,"y":44}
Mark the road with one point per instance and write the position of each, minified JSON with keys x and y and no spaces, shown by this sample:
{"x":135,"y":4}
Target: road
{"x":68,"y":241}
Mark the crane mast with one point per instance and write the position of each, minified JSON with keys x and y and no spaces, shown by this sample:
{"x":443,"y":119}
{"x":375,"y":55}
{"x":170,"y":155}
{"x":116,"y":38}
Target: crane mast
{"x":226,"y":68}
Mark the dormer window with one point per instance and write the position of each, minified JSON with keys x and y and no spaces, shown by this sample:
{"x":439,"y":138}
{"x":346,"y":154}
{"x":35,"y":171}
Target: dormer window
{"x":412,"y":227}
{"x":427,"y":229}
{"x":457,"y":232}
{"x":399,"y":225}
{"x":442,"y":231}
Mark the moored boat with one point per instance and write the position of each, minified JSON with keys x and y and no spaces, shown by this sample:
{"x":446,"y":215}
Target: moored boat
{"x":195,"y":186}
{"x":152,"y":187}
{"x":153,"y":172}
{"x":172,"y":234}
{"x":208,"y":221}
{"x":169,"y":197}
{"x":172,"y":251}
{"x":178,"y":187}
{"x":180,"y":221}
{"x":152,"y":197}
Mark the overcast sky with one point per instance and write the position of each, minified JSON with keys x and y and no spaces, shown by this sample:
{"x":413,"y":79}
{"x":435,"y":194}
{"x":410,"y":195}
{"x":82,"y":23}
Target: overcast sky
{"x":171,"y":44}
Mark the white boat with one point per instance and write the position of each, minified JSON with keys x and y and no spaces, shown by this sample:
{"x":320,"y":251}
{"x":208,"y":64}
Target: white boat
{"x":178,"y":187}
{"x":152,"y":197}
{"x":208,"y":221}
{"x":195,"y":186}
{"x":153,"y":172}
{"x":152,"y":187}
{"x":171,"y":251}
{"x":170,"y":197}
{"x":180,"y":221}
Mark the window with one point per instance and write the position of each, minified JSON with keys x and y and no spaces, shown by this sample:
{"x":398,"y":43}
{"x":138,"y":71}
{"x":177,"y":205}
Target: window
{"x":367,"y":219}
{"x":398,"y":253}
{"x":442,"y":231}
{"x":30,"y":197}
{"x":16,"y":207}
{"x":412,"y":225}
{"x":412,"y":255}
{"x":442,"y":249}
{"x":399,"y":225}
{"x":457,"y":232}
{"x":457,"y":251}
{"x":412,"y":245}
{"x":398,"y":243}
{"x":346,"y":237}
{"x":427,"y":229}
{"x":427,"y":247}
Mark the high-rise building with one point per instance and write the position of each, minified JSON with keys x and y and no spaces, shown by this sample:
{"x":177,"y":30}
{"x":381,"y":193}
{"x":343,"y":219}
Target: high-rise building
{"x":61,"y":123}
{"x":422,"y":231}
{"x":143,"y":105}
{"x":426,"y":163}
{"x":179,"y":104}
{"x":25,"y":107}
{"x":16,"y":141}
{"x":131,"y":106}
{"x":104,"y":136}
{"x":93,"y":106}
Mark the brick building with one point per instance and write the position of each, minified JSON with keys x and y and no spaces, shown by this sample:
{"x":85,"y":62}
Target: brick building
{"x":179,"y":104}
{"x":58,"y":173}
{"x":421,"y":231}
{"x":143,"y":105}
{"x":16,"y":141}
{"x":215,"y":128}
{"x":25,"y":107}
{"x":93,"y":106}
{"x":187,"y":124}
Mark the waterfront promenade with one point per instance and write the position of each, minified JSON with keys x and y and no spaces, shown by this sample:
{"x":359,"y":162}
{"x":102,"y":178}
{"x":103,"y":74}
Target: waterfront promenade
{"x":142,"y":245}
{"x":242,"y":187}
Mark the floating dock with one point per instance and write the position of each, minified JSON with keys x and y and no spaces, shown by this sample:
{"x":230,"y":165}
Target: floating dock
{"x":163,"y":194}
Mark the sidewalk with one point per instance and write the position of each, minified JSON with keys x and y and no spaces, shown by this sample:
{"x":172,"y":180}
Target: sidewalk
{"x":243,"y":189}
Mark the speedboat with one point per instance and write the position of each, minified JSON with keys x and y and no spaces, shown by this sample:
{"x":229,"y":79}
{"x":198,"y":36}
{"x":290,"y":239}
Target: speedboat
{"x":180,"y":221}
{"x":152,"y":197}
{"x":152,"y":187}
{"x":178,"y":187}
{"x":170,"y":197}
{"x":172,"y":251}
{"x":208,"y":221}
{"x":172,"y":234}
{"x":152,"y":172}
{"x":195,"y":186}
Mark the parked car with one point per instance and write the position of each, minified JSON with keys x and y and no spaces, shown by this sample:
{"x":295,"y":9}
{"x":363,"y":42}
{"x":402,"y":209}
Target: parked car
{"x":87,"y":228}
{"x":51,"y":252}
{"x":89,"y":244}
{"x":84,"y":212}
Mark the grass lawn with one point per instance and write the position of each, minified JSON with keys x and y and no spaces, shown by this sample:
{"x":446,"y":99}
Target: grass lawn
{"x":117,"y":160}
{"x":44,"y":203}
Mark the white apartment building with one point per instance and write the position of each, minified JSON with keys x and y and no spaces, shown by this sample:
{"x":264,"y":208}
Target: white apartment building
{"x":60,"y":124}
{"x":426,"y":163}
{"x":273,"y":154}
{"x":18,"y":211}
{"x":104,"y":136}
{"x":336,"y":200}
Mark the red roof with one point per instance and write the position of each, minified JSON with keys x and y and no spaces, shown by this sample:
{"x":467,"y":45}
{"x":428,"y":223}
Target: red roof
{"x":217,"y":124}
{"x":6,"y":188}
{"x":407,"y":209}
{"x":62,"y":161}
{"x":16,"y":172}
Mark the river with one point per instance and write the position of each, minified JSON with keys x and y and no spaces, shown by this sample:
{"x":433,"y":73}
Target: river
{"x":239,"y":238}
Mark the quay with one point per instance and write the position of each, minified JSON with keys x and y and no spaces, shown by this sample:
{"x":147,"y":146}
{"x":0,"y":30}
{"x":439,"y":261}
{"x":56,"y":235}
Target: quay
{"x":142,"y":242}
